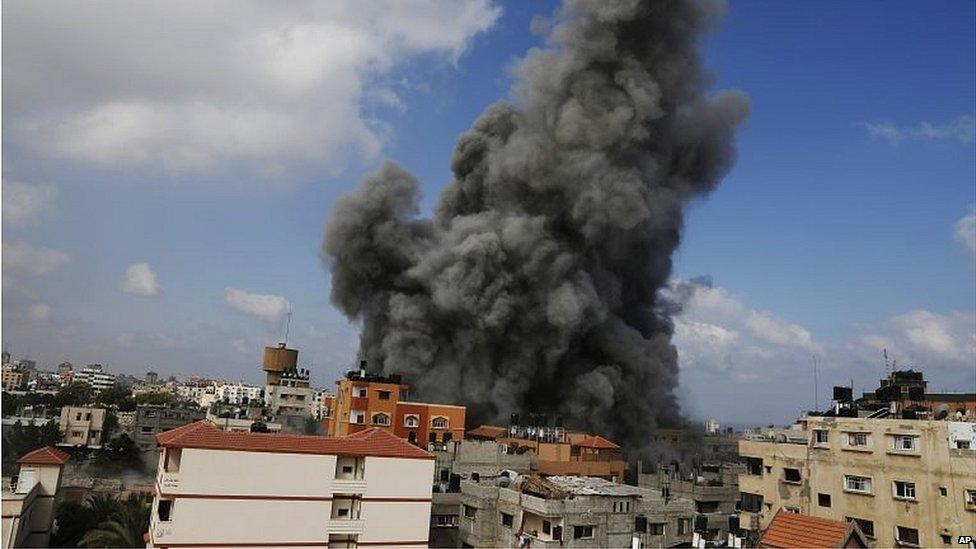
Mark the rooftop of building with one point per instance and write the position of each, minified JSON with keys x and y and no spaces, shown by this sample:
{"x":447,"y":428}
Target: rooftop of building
{"x":790,"y":530}
{"x":490,"y":432}
{"x":598,"y":442}
{"x":47,"y":455}
{"x":375,"y":442}
{"x":593,"y":486}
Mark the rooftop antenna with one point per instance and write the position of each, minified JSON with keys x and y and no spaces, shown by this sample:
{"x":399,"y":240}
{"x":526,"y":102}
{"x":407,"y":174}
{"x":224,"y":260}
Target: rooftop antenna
{"x":816,"y":385}
{"x":288,"y":323}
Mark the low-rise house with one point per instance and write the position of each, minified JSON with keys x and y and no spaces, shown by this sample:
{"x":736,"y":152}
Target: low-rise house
{"x":82,"y":426}
{"x":567,"y":512}
{"x":154,"y":419}
{"x":794,"y":531}
{"x":218,"y":488}
{"x":28,"y":501}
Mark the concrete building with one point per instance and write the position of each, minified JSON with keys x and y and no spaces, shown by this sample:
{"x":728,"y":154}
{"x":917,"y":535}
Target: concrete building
{"x":222,"y":489}
{"x":905,"y":482}
{"x":239,"y":393}
{"x":714,"y":490}
{"x":203,"y":392}
{"x":290,"y":395}
{"x":28,"y":503}
{"x":559,"y":451}
{"x":95,"y":376}
{"x":150,"y":420}
{"x":366,"y":400}
{"x":82,"y":426}
{"x":15,"y":377}
{"x":566,"y":512}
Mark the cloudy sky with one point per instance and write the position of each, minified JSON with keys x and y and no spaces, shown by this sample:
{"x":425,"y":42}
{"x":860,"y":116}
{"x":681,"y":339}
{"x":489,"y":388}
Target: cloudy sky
{"x":167,"y":174}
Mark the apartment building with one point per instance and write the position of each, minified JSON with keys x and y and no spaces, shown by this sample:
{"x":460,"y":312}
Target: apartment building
{"x":95,"y":376}
{"x":150,"y":420}
{"x":14,"y":377}
{"x":559,"y":451}
{"x":82,"y":426}
{"x":904,"y":482}
{"x":368,"y":400}
{"x":714,"y":490}
{"x":239,"y":393}
{"x":218,"y":488}
{"x":28,"y":499}
{"x":567,"y":512}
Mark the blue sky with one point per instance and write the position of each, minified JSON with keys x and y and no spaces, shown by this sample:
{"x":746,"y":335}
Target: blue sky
{"x":841,"y":230}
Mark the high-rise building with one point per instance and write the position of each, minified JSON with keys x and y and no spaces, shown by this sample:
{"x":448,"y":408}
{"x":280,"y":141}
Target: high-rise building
{"x":222,"y":489}
{"x":95,"y":376}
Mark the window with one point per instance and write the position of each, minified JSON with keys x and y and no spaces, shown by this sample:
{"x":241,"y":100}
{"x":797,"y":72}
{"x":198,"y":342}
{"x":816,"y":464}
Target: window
{"x":582,"y":532}
{"x":943,"y":491}
{"x":381,"y":419}
{"x":906,"y":536}
{"x":904,"y":443}
{"x":962,"y":444}
{"x":946,"y":539}
{"x":432,"y":437}
{"x":684,"y":525}
{"x":656,"y":529}
{"x":439,"y":423}
{"x":823,"y":500}
{"x":904,"y":490}
{"x":78,"y":416}
{"x":145,"y":429}
{"x":87,"y":416}
{"x":446,"y":520}
{"x":970,"y":497}
{"x":470,"y":512}
{"x":820,"y":437}
{"x":853,"y":483}
{"x":411,"y":421}
{"x":347,"y":469}
{"x":791,"y":475}
{"x":546,"y":527}
{"x":794,"y":510}
{"x":754,"y":466}
{"x":359,"y":392}
{"x":866,"y":526}
{"x":383,"y":395}
{"x":857,"y":440}
{"x":344,"y":512}
{"x":751,"y":503}
{"x":705,"y":507}
{"x":77,"y":434}
{"x":507,"y":520}
{"x":448,"y":437}
{"x":165,"y":510}
{"x":412,"y":437}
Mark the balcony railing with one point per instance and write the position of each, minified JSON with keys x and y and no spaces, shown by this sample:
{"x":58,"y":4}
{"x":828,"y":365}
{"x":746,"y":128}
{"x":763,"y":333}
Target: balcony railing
{"x":346,"y":526}
{"x":349,"y":486}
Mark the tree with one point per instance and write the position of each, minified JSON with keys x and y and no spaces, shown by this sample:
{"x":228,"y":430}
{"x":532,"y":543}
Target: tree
{"x":156,"y":398}
{"x":120,"y":453}
{"x":76,"y":393}
{"x":73,"y":520}
{"x":125,"y":527}
{"x":25,"y":438}
{"x":116,"y":396}
{"x":259,"y":427}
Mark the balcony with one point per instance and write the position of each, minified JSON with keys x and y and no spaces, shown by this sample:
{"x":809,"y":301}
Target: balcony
{"x":346,"y":526}
{"x":349,"y":486}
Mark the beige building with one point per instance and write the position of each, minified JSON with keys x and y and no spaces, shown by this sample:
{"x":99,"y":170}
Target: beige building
{"x":28,"y":503}
{"x":82,"y":426}
{"x":14,"y":377}
{"x":905,"y":482}
{"x":219,"y":488}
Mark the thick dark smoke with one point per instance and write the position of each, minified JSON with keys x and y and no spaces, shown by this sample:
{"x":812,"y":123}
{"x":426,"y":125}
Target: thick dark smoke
{"x":534,"y":287}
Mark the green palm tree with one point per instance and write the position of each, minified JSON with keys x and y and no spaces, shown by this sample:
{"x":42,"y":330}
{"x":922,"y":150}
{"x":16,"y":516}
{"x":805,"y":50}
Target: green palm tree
{"x":125,"y":526}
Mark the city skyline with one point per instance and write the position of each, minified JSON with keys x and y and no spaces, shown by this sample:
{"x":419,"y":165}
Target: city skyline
{"x":172,"y":222}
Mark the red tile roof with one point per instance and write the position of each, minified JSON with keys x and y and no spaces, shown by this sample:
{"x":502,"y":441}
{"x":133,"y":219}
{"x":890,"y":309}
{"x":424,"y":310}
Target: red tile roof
{"x":48,"y":455}
{"x":791,"y":530}
{"x":596,"y":441}
{"x":374,"y":441}
{"x":487,"y":432}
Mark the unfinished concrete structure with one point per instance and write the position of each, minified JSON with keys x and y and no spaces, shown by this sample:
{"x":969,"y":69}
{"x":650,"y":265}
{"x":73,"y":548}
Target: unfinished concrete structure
{"x":714,"y":490}
{"x":566,"y":512}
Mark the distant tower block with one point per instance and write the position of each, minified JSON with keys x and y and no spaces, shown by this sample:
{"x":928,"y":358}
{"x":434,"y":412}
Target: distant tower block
{"x":277,"y":360}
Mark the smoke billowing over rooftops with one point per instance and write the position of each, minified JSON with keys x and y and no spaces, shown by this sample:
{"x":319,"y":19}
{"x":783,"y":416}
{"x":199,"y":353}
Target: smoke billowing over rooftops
{"x":535,"y":285}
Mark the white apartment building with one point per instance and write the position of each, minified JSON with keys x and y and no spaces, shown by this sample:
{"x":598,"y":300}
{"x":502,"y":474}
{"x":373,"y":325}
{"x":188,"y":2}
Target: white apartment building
{"x":94,"y":375}
{"x":236,"y":393}
{"x":204,"y":394}
{"x":219,"y":488}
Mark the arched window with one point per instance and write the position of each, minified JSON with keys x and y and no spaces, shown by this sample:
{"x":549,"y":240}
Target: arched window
{"x":411,"y":421}
{"x":381,"y":419}
{"x":439,"y":423}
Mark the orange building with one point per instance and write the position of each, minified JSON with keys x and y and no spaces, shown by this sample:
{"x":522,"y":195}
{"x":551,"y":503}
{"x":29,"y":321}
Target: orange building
{"x":561,"y":452}
{"x":368,"y":400}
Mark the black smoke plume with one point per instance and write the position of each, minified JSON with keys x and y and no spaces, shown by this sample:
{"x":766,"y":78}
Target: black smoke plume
{"x":534,"y":287}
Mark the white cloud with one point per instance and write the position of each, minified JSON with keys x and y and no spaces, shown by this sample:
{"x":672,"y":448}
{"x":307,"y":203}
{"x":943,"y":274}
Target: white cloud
{"x":243,"y":85}
{"x":39,"y":312}
{"x":24,"y":203}
{"x":32,"y":260}
{"x":962,"y":129}
{"x":140,"y":280}
{"x":270,"y":308}
{"x":965,"y":231}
